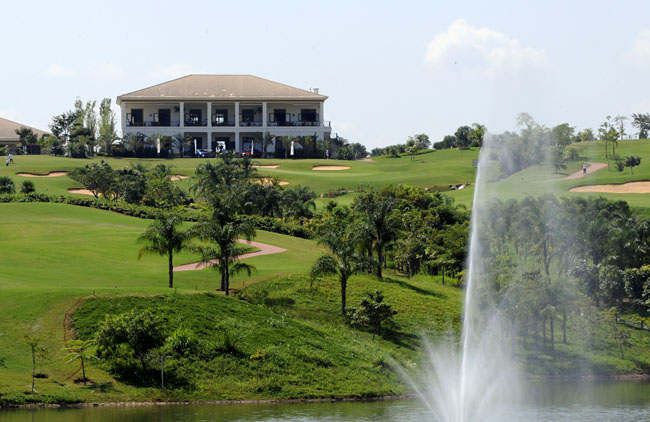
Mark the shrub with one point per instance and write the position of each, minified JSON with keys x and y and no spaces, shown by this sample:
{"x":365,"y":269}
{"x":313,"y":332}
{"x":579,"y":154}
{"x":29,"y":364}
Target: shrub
{"x":7,"y":185}
{"x":27,"y":187}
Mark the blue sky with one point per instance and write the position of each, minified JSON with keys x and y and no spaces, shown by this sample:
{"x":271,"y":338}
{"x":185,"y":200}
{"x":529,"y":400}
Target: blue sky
{"x":391,"y":69}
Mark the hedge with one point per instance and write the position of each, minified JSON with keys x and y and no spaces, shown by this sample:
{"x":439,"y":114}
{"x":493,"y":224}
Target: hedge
{"x":270,"y":224}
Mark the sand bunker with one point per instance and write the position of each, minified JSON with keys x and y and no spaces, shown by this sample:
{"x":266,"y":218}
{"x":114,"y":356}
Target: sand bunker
{"x":330,"y":168}
{"x":81,"y":191}
{"x":631,"y":187}
{"x":178,"y":177}
{"x":50,"y":174}
{"x":269,"y":166}
{"x":268,"y":181}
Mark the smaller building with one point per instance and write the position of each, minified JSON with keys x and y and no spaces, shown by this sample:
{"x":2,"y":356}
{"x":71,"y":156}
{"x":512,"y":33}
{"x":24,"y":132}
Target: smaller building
{"x":9,"y":137}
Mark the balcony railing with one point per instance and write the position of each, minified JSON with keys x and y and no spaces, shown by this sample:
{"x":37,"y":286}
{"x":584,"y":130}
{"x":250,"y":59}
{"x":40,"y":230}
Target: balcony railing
{"x":251,"y":123}
{"x":221,"y":122}
{"x":152,"y":124}
{"x":196,"y":122}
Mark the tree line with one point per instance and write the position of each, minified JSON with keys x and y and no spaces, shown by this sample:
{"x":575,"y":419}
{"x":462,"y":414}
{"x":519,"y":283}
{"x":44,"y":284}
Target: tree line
{"x":562,"y":261}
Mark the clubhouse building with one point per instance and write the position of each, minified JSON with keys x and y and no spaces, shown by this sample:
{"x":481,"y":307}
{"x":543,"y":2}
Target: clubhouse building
{"x":224,"y":112}
{"x":9,"y":137}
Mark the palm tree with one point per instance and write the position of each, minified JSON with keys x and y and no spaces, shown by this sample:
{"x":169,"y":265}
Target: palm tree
{"x":339,"y":236}
{"x":164,"y":237}
{"x":222,"y":251}
{"x":298,"y":202}
{"x":79,"y":350}
{"x":378,"y":213}
{"x":267,"y":140}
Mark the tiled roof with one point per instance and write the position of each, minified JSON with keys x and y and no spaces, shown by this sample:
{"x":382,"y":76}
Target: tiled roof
{"x":8,"y":129}
{"x":221,"y":87}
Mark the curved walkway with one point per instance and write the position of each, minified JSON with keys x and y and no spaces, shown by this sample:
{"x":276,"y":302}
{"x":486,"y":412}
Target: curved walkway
{"x":578,"y":174}
{"x":264,"y":249}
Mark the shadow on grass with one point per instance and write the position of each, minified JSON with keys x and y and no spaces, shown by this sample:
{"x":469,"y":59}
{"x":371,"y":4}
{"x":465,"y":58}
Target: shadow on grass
{"x":416,"y":289}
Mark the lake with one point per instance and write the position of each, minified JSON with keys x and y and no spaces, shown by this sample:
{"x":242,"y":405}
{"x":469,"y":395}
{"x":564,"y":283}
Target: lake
{"x":548,"y":401}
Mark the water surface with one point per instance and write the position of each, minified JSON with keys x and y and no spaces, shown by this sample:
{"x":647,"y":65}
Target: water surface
{"x":547,"y":401}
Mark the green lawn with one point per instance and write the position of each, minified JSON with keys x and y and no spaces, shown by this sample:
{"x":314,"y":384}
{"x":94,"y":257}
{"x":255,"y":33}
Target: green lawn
{"x":433,"y":169}
{"x":54,"y":255}
{"x":535,"y":180}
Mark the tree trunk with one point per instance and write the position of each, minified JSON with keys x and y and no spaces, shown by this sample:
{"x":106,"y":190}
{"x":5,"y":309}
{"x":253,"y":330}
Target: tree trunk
{"x":513,"y":336}
{"x":83,"y":369}
{"x":536,"y":335}
{"x":544,"y":333}
{"x":344,"y":285}
{"x":171,"y":269}
{"x":564,"y":318}
{"x":380,"y":258}
{"x":223,"y":280}
{"x":552,"y":338}
{"x":227,"y":283}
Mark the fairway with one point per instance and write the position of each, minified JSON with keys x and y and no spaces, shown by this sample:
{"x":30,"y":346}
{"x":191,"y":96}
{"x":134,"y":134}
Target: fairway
{"x":436,"y":169}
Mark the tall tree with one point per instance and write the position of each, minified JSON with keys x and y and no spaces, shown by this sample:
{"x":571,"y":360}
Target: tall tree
{"x":164,"y":237}
{"x":220,"y":249}
{"x":340,"y":236}
{"x":378,"y":211}
{"x":268,"y":139}
{"x":641,"y":121}
{"x":63,"y":124}
{"x":107,"y":126}
{"x":27,"y":138}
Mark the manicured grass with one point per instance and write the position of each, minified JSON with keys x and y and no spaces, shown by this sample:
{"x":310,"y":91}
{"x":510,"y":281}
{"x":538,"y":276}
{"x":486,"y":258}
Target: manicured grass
{"x":538,"y":180}
{"x":438,"y":169}
{"x":54,"y":255}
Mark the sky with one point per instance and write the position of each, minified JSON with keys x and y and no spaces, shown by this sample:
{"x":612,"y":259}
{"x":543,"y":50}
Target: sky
{"x":390,"y":68}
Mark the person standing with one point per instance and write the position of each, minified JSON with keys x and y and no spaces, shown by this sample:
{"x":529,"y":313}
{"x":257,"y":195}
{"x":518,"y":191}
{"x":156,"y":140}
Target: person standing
{"x":11,"y":158}
{"x":7,"y":162}
{"x":584,"y":169}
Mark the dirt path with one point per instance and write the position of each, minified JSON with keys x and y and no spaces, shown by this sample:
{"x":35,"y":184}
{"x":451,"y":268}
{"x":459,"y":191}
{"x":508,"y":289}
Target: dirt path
{"x":264,"y":249}
{"x":578,"y":174}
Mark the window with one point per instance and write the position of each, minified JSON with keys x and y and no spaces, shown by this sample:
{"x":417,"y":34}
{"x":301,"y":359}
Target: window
{"x":195,"y":117}
{"x":220,"y":117}
{"x":248,"y":116}
{"x":308,"y":115}
{"x":164,"y":116}
{"x":280,"y":116}
{"x":136,"y":117}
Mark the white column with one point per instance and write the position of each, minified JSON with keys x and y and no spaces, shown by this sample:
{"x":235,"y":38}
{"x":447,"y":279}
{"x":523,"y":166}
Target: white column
{"x":236,"y":116}
{"x":322,"y":113}
{"x":181,"y":110}
{"x":264,"y":114}
{"x":123,"y":119}
{"x":209,"y":114}
{"x":237,"y":146}
{"x":209,"y":141}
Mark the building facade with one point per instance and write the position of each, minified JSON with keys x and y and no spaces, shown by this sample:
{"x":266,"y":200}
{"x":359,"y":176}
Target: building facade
{"x":223,"y":112}
{"x":10,"y":139}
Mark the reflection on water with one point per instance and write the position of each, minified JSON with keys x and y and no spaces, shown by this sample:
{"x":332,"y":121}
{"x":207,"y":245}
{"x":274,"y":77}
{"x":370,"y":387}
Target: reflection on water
{"x":548,"y":401}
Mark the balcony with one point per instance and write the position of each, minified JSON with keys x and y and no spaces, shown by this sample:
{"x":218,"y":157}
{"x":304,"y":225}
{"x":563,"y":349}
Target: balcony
{"x":218,"y":120}
{"x":250,"y":123}
{"x":191,"y":122}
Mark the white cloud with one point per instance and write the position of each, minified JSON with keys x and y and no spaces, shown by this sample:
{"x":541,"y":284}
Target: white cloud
{"x":482,"y":51}
{"x":174,"y":71}
{"x":56,"y":70}
{"x":639,"y":53}
{"x":106,"y":70}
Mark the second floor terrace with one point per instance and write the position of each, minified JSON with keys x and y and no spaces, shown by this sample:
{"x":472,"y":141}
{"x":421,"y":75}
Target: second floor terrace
{"x":223,"y":114}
